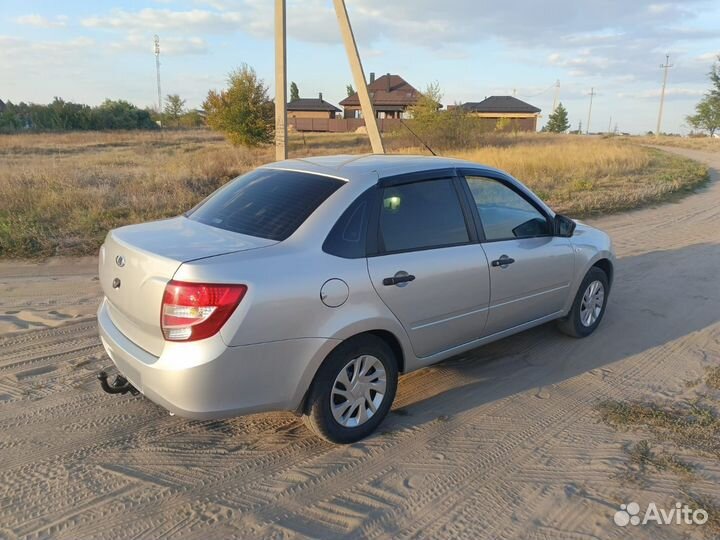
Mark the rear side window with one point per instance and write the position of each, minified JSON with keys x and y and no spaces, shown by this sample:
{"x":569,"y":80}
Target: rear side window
{"x":420,"y":216}
{"x":266,"y":203}
{"x":347,"y":237}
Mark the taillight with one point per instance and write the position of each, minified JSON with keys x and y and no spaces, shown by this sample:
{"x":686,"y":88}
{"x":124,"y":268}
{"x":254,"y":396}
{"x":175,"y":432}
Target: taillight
{"x":192,"y":311}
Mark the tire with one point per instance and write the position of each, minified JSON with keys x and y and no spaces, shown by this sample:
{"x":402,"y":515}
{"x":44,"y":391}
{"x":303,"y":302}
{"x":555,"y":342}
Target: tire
{"x":573,"y":324}
{"x":328,"y":391}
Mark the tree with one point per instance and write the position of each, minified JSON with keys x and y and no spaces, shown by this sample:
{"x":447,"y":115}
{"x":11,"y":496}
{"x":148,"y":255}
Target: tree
{"x":174,"y":108}
{"x":350,"y":90}
{"x":502,"y":124}
{"x":707,"y":115}
{"x":243,"y":111}
{"x":294,"y":91}
{"x":714,"y":76}
{"x":707,"y":112}
{"x":558,"y":120}
{"x":425,"y":111}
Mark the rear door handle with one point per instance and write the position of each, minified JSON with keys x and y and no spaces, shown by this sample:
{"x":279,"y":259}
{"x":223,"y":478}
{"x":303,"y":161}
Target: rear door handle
{"x":502,"y":262}
{"x":398,"y":279}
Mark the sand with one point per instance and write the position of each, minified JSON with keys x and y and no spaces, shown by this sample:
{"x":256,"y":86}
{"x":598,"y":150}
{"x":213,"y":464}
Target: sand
{"x":504,"y":442}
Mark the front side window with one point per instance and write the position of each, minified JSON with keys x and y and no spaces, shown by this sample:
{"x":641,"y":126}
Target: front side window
{"x":421,"y":215}
{"x":268,"y":203}
{"x":504,"y":213}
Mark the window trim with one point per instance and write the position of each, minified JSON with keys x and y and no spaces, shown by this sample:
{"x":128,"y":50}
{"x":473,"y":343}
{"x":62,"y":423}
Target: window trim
{"x":463,"y":173}
{"x":375,"y":246}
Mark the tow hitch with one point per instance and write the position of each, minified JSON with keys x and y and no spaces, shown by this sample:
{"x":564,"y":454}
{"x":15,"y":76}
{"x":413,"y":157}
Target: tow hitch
{"x":119,"y":386}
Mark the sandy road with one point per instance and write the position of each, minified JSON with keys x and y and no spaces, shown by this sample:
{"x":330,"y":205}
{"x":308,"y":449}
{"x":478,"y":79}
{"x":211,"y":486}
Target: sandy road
{"x":501,"y":443}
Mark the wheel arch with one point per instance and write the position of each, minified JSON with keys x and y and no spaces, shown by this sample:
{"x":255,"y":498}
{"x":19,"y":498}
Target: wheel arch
{"x":388,"y":337}
{"x":606,"y":266}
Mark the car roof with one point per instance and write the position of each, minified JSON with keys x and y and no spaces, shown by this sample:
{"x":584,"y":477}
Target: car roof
{"x":361,"y":167}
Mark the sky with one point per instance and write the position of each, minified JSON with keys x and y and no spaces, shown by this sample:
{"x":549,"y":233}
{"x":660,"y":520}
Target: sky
{"x":88,"y":51}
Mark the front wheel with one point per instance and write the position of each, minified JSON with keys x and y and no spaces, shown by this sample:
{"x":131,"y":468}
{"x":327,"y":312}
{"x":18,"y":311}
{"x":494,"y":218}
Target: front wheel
{"x":352,"y":391}
{"x":589,"y":305}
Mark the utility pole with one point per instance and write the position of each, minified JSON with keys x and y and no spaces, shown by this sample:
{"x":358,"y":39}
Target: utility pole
{"x":587,"y":127}
{"x":359,"y":77}
{"x":157,"y":69}
{"x":610,"y":125}
{"x":557,"y":95}
{"x":280,"y":81}
{"x":664,"y":66}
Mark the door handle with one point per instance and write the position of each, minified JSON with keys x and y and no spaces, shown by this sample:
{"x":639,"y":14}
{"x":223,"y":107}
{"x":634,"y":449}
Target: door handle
{"x":502,"y":262}
{"x":395,"y":280}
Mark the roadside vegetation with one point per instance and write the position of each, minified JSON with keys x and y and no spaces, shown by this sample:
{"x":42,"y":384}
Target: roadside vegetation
{"x":680,"y":437}
{"x":61,"y":193}
{"x":707,"y":144}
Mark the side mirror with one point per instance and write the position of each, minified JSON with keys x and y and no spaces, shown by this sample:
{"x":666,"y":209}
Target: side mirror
{"x":564,"y":226}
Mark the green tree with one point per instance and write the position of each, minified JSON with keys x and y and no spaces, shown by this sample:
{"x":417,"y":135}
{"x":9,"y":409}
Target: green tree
{"x":294,"y":91}
{"x":707,"y":115}
{"x":243,"y":111}
{"x":349,"y":90}
{"x":707,"y":111}
{"x":426,"y":110}
{"x":714,"y":76}
{"x":174,"y":108}
{"x":558,"y":120}
{"x":502,"y":124}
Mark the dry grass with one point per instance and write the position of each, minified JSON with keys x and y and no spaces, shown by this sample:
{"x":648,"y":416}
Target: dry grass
{"x":708,"y":144}
{"x":60,"y":193}
{"x":643,"y":456}
{"x":712,"y":378}
{"x":581,"y":177}
{"x":689,"y":425}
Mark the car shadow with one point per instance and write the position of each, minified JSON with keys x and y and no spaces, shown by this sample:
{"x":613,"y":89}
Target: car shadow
{"x":656,"y":298}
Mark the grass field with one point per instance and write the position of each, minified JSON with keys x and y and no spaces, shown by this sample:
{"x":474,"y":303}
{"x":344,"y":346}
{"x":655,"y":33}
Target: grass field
{"x":707,"y":144}
{"x":61,"y":193}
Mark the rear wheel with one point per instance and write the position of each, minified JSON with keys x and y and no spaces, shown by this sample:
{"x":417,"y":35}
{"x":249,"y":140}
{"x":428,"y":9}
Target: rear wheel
{"x":589,"y":305}
{"x":352,"y":391}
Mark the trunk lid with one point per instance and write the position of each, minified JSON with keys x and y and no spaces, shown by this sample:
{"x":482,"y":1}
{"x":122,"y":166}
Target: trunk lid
{"x":137,"y":261}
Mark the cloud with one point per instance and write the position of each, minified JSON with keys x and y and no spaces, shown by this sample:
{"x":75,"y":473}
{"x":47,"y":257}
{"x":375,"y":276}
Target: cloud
{"x":166,"y":19}
{"x":670,"y":92}
{"x":135,"y":42}
{"x":39,"y":21}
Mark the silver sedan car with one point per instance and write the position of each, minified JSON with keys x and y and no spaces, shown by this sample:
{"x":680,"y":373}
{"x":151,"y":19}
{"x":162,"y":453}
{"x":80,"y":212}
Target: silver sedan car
{"x":308,"y":285}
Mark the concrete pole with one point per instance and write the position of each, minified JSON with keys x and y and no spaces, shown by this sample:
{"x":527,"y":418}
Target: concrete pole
{"x":557,"y":95}
{"x":587,"y":127}
{"x":280,"y":82}
{"x":665,"y":66}
{"x":359,"y":77}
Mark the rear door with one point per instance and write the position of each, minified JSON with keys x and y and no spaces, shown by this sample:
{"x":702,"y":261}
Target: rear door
{"x":530,"y":269}
{"x":425,"y":263}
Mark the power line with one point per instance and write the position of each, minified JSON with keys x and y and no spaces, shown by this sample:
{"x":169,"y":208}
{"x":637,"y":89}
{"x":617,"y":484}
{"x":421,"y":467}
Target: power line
{"x":557,"y":83}
{"x":664,"y":66}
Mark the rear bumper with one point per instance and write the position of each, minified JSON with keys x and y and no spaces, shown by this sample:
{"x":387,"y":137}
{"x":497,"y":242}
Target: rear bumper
{"x":207,"y":379}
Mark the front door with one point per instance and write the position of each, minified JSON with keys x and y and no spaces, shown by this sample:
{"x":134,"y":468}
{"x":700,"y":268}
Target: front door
{"x":530,"y":269}
{"x":427,"y":270}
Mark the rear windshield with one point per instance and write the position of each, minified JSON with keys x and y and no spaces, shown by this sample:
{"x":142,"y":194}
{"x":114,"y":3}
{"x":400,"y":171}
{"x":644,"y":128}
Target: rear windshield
{"x":267,"y":203}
